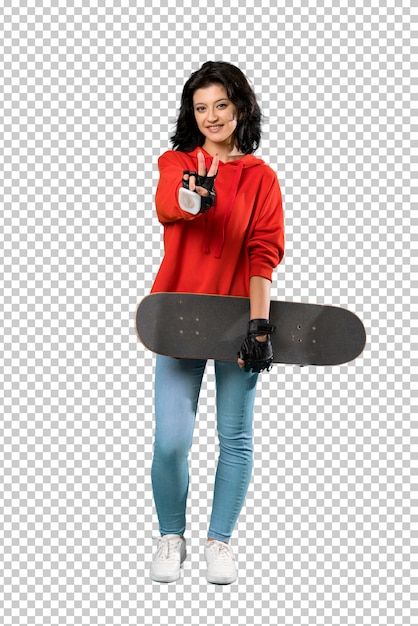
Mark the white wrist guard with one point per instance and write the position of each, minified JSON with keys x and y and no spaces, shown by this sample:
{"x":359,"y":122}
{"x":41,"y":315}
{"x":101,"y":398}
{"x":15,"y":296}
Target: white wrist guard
{"x":189,"y":201}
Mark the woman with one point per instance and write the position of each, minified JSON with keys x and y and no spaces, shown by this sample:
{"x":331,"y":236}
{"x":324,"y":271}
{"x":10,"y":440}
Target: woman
{"x":221,"y":209}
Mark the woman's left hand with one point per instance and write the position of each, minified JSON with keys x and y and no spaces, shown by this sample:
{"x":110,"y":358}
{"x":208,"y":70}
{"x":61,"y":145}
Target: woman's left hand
{"x":256,"y":352}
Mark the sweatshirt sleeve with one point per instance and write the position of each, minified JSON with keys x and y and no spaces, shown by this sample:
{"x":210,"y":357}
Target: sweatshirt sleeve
{"x":266,"y":243}
{"x":171,"y":165}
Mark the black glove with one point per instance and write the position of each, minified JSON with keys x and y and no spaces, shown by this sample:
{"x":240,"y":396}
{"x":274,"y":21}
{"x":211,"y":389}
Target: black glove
{"x":258,"y":355}
{"x":207,"y":182}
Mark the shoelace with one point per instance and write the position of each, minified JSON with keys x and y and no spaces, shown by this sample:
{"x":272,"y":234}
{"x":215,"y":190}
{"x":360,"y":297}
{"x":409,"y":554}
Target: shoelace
{"x":164,"y":549}
{"x":223,"y":551}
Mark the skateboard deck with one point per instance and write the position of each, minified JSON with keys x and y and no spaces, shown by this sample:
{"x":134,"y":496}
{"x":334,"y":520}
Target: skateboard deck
{"x":184,"y":325}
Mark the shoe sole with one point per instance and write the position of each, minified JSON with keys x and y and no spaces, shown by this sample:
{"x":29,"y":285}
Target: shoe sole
{"x":167,"y":579}
{"x":221,"y":581}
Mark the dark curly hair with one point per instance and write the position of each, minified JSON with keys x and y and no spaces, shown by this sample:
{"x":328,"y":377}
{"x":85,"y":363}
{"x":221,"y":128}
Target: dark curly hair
{"x":187,"y":136}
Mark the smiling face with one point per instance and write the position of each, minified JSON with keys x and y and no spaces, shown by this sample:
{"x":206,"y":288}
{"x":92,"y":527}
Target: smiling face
{"x":216,"y":117}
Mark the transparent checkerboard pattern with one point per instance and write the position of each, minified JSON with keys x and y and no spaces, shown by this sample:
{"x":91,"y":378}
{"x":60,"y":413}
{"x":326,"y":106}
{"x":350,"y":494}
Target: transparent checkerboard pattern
{"x":89,"y":95}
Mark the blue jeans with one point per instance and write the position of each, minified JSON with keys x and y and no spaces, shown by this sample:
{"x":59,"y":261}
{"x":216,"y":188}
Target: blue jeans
{"x":177,"y":388}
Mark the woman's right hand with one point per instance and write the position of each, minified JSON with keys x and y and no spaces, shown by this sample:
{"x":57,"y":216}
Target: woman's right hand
{"x":200,"y":183}
{"x":205,"y":186}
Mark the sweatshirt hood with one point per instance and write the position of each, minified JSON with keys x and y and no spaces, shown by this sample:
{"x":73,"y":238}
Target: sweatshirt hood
{"x":233,"y":170}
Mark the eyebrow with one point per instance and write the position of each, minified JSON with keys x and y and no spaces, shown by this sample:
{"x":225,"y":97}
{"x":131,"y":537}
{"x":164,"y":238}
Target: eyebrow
{"x":220,"y":100}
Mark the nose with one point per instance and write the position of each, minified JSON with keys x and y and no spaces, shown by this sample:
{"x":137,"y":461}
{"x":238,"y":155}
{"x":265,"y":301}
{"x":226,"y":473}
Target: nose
{"x":212,"y":115}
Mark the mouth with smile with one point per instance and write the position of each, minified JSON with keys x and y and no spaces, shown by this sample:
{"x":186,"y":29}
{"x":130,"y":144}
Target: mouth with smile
{"x":214,"y":128}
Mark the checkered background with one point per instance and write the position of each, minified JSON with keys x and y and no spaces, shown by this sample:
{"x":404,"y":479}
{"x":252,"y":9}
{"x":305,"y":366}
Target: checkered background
{"x":90,"y":91}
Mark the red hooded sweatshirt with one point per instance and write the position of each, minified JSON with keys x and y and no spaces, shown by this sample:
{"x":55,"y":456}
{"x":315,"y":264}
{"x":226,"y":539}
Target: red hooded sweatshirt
{"x":241,"y":236}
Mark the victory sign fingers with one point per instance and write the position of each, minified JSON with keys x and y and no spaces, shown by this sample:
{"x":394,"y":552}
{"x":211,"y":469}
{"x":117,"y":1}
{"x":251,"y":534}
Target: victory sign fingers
{"x":202,"y":190}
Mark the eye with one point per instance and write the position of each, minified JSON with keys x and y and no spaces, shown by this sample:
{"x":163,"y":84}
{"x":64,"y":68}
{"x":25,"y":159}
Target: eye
{"x":200,"y":109}
{"x":223,"y":105}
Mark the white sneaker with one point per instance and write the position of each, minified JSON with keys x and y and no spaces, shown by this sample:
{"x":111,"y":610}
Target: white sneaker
{"x":168,"y":559}
{"x":221,"y":563}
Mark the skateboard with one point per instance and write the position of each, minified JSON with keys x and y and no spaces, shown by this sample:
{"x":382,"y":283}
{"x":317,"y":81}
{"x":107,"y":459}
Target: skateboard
{"x":196,"y":326}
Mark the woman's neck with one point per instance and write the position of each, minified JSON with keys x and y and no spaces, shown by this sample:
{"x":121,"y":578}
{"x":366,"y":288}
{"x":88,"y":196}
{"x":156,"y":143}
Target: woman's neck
{"x":225,"y":153}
